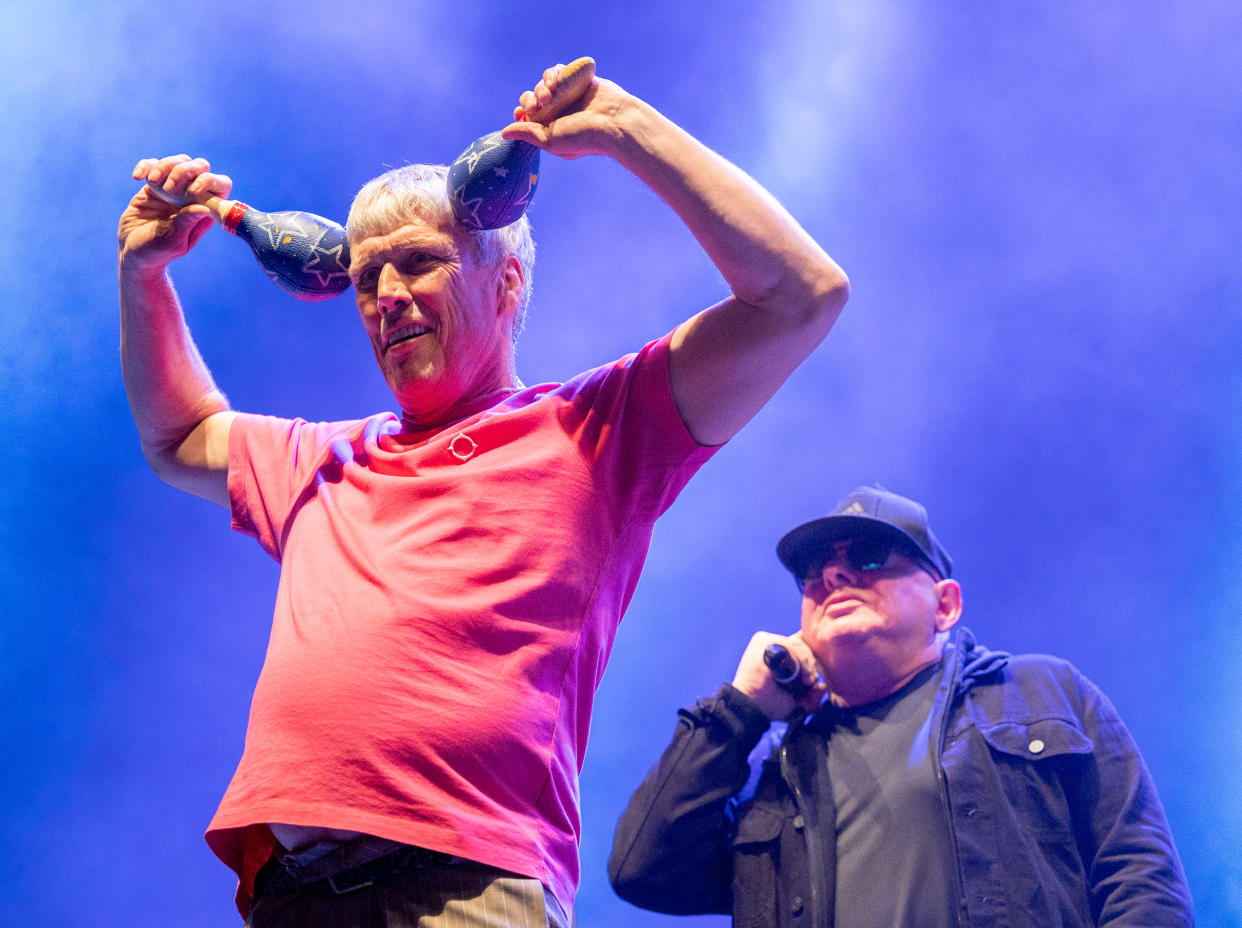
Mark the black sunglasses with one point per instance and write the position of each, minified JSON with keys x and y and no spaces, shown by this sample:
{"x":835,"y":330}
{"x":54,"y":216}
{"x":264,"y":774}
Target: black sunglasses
{"x":867,"y":553}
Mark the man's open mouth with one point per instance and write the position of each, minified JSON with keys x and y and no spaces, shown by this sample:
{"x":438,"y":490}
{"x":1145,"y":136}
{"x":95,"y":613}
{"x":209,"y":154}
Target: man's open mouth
{"x":403,"y":333}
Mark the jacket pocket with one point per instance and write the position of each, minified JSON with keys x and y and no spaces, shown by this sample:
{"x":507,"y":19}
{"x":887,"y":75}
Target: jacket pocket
{"x":756,"y":866}
{"x":1031,"y":782}
{"x":1040,"y":739}
{"x":757,"y":826}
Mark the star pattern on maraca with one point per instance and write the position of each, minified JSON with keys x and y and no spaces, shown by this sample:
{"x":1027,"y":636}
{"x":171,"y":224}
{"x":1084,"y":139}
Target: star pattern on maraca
{"x":279,"y":232}
{"x":327,"y":263}
{"x":524,"y":200}
{"x":467,"y":211}
{"x":480,"y":148}
{"x":304,"y":254}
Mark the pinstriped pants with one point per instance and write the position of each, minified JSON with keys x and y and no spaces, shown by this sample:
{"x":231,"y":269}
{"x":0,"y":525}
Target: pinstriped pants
{"x":456,"y":895}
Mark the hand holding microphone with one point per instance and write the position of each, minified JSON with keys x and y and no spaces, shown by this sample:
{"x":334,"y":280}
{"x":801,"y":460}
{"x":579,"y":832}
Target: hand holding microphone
{"x":785,"y":669}
{"x":780,"y":674}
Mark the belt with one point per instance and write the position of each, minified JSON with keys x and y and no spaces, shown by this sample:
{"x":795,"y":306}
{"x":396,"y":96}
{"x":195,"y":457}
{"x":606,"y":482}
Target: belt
{"x":277,"y":876}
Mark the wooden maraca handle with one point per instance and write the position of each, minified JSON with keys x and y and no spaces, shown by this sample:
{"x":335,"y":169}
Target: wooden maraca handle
{"x":226,"y":212}
{"x":219,"y":207}
{"x":571,"y":84}
{"x":304,"y":254}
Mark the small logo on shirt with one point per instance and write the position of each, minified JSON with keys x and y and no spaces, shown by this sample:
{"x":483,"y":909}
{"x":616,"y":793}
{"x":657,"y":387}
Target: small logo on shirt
{"x":463,"y":446}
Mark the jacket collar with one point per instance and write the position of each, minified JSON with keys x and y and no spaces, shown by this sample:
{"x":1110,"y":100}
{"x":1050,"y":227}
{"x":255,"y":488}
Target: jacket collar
{"x":965,"y":663}
{"x":974,"y":660}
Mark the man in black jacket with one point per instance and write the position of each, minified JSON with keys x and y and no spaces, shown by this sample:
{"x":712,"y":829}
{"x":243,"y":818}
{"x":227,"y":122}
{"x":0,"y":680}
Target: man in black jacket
{"x":920,"y":781}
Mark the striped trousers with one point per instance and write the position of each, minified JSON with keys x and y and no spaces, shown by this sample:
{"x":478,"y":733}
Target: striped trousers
{"x":459,"y":894}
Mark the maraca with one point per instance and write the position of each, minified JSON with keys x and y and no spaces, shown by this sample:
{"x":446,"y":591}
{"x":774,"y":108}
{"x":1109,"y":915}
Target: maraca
{"x":491,"y":183}
{"x":304,"y":254}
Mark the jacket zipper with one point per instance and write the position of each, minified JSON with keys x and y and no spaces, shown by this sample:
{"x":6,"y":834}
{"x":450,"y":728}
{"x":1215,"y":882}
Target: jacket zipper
{"x":814,"y":864}
{"x":942,"y":729}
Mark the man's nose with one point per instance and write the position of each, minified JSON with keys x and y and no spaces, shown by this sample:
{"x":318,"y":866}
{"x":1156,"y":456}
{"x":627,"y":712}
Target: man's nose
{"x":836,"y":571}
{"x":391,"y":291}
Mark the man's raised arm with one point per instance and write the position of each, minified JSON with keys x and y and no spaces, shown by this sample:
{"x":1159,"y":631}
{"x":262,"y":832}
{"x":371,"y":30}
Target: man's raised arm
{"x":182,"y":419}
{"x":728,"y":360}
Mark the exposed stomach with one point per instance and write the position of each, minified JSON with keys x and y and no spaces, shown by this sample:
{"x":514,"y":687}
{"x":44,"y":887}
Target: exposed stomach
{"x":298,"y":838}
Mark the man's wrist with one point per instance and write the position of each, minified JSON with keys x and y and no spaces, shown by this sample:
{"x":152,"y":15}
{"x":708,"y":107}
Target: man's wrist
{"x":138,"y":270}
{"x":752,"y":716}
{"x":636,"y":135}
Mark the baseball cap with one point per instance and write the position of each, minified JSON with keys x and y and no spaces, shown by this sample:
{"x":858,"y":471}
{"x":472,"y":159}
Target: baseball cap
{"x":866,"y":511}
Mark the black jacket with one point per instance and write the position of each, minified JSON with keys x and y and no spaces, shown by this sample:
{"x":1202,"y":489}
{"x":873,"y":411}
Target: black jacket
{"x":1053,"y":817}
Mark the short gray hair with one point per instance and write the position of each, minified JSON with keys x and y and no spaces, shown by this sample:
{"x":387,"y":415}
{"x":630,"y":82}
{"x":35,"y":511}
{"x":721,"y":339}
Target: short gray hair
{"x":421,"y":190}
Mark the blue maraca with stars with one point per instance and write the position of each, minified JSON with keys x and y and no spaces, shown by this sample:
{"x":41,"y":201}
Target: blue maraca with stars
{"x":304,"y":254}
{"x":492,"y":182}
{"x":490,"y":185}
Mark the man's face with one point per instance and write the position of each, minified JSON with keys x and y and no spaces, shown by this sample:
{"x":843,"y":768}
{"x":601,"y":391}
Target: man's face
{"x":438,"y":321}
{"x":883,"y":602}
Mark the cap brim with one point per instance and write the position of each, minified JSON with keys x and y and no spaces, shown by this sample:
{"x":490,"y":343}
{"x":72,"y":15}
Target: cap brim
{"x":802,"y":544}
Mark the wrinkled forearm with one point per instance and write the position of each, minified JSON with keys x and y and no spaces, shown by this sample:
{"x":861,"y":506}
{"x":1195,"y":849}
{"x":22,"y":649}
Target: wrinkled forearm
{"x":768,"y":260}
{"x":169,"y":388}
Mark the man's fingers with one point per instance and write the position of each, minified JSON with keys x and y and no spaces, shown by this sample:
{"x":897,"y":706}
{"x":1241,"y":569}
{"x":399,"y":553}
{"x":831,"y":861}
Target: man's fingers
{"x":207,"y":183}
{"x":201,"y":224}
{"x":156,"y":170}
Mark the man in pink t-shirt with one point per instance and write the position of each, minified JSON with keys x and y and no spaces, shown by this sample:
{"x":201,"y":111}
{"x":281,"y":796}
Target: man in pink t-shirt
{"x":452,"y":576}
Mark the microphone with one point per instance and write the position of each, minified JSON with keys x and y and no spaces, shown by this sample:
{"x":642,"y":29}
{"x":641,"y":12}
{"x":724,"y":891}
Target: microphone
{"x":784,"y":669}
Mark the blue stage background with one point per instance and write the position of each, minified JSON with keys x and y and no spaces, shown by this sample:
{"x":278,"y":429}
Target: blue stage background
{"x":1039,"y":206}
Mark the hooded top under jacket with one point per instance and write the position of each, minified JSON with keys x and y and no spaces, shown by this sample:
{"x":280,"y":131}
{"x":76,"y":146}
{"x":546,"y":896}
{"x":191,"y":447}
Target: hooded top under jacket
{"x":1052,"y":815}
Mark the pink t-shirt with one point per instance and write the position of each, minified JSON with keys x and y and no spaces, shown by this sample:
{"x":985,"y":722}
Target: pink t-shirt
{"x":447,"y":603}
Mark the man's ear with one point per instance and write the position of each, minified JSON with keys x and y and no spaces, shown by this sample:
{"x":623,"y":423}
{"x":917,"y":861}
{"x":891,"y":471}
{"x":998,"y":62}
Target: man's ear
{"x":509,"y":284}
{"x":948,"y":604}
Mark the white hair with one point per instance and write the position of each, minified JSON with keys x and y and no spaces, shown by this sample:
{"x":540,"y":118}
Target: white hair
{"x":421,"y":190}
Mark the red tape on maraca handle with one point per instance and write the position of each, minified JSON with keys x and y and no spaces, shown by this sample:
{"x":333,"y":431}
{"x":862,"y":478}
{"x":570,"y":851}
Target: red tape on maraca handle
{"x":233,"y":217}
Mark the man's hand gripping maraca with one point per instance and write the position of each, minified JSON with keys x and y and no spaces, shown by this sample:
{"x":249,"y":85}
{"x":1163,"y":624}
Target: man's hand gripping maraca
{"x":166,"y":217}
{"x":305,"y":255}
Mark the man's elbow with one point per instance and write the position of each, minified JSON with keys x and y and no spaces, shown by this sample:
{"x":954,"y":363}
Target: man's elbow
{"x":830,"y":289}
{"x":652,"y":872}
{"x":810,"y":309}
{"x":811,"y":300}
{"x":196,"y":462}
{"x":630,"y":870}
{"x":622,"y":880}
{"x":159,"y":450}
{"x":642,"y":887}
{"x":166,"y":463}
{"x":668,"y":890}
